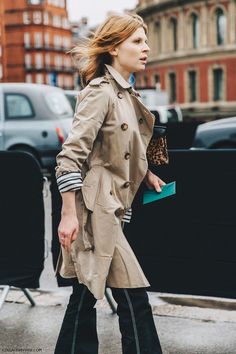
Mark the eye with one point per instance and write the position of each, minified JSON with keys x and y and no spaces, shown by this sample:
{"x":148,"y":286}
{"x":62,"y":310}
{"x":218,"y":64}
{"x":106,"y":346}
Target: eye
{"x":138,"y":40}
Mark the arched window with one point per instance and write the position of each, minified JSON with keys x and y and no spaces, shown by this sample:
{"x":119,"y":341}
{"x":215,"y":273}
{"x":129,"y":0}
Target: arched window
{"x":220,"y":26}
{"x":174,"y":33}
{"x":195,"y":30}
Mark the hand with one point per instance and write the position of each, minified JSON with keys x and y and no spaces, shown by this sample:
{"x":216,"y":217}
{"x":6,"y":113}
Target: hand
{"x":68,"y":230}
{"x":153,"y":182}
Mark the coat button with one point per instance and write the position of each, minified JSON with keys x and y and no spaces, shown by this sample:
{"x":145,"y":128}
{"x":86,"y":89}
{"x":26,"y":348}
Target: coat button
{"x":140,"y":120}
{"x":119,"y":212}
{"x":111,"y":193}
{"x":124,"y":126}
{"x":126,"y":184}
{"x":119,"y":94}
{"x":127,"y":155}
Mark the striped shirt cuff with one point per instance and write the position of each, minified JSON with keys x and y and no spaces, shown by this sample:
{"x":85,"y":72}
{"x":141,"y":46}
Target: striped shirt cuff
{"x":70,"y":181}
{"x":127,"y":216}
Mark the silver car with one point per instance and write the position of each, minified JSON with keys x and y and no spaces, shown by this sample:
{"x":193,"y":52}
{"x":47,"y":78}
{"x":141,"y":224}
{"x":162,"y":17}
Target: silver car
{"x":219,"y":134}
{"x":34,"y":118}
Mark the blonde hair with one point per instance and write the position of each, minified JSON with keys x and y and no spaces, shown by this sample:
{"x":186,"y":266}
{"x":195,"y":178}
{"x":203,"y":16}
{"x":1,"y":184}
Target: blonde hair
{"x":93,"y":54}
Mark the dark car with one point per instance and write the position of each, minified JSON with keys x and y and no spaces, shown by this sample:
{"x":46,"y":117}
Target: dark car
{"x":219,"y":134}
{"x":34,"y":118}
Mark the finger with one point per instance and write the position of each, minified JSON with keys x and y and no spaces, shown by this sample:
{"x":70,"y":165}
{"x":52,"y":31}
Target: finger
{"x":157,"y":187}
{"x":67,"y":243}
{"x":74,"y":235}
{"x":161,"y":183}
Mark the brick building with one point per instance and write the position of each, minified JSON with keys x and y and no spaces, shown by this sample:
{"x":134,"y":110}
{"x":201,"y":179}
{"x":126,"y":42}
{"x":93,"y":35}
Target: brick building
{"x":35,"y":37}
{"x":193,"y":54}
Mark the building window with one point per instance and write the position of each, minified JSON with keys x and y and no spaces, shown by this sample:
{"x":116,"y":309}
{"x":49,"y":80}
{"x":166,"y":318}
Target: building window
{"x":57,"y":42}
{"x":195,"y":30}
{"x":156,"y":78}
{"x":218,"y":84}
{"x":37,"y":17}
{"x":220,"y":26}
{"x":38,"y":61}
{"x":67,"y":62}
{"x":65,"y":23}
{"x":38,"y":40}
{"x":66,"y":42}
{"x":46,"y":40}
{"x":62,"y":3}
{"x":48,"y":79}
{"x":27,"y":39}
{"x":1,"y":72}
{"x":47,"y":59}
{"x":192,"y":77}
{"x":27,"y":61}
{"x":26,"y":18}
{"x":58,"y":61}
{"x":46,"y":18}
{"x":35,"y":2}
{"x":56,"y":21}
{"x":28,"y":78}
{"x":172,"y":80}
{"x":39,"y":78}
{"x":174,"y":33}
{"x":60,"y":81}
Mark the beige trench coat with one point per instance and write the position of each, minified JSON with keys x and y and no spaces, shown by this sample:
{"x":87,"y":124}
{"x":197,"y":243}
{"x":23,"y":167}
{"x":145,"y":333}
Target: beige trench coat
{"x":107,"y":143}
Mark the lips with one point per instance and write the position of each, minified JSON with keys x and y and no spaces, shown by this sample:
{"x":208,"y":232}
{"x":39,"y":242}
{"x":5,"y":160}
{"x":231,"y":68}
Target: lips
{"x":143,"y":59}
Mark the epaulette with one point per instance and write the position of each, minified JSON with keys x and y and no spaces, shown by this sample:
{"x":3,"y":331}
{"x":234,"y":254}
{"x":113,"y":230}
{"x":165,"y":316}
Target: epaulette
{"x":98,"y":80}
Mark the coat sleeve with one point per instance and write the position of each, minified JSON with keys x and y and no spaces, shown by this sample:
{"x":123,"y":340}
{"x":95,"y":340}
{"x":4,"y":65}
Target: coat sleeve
{"x":90,"y":113}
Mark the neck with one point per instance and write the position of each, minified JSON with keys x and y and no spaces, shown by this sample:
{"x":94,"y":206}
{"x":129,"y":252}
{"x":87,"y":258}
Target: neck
{"x":122,"y":71}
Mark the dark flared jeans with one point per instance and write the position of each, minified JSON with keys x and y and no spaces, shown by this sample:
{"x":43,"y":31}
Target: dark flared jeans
{"x":78,"y":334}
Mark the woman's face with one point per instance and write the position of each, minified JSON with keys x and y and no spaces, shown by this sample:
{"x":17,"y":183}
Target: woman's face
{"x":131,"y":55}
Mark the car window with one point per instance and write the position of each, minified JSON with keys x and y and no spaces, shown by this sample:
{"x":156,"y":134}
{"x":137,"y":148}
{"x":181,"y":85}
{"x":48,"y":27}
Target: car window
{"x":172,"y":115}
{"x":72,"y":99}
{"x":18,"y":106}
{"x":157,"y":116}
{"x":58,"y":103}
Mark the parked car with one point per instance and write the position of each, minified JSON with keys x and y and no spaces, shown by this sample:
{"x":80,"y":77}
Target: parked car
{"x":166,"y":114}
{"x":34,"y":118}
{"x":219,"y":134}
{"x":72,"y":97}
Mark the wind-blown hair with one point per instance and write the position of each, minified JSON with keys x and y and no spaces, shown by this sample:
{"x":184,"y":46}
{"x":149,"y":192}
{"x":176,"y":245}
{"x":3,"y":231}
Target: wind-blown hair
{"x":94,"y":53}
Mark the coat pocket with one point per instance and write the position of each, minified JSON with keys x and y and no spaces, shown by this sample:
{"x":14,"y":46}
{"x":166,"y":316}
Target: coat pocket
{"x":90,"y":188}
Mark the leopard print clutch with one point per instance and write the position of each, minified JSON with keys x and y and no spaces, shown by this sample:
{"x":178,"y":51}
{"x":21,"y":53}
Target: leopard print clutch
{"x":157,"y":153}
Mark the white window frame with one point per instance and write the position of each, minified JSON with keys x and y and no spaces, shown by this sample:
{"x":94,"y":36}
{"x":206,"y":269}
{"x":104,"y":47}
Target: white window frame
{"x":39,"y":79}
{"x":27,"y":39}
{"x":38,"y":40}
{"x":28,"y":78}
{"x":28,"y":61}
{"x":39,"y":60}
{"x":26,"y":18}
{"x":46,"y":39}
{"x":46,"y":18}
{"x":37,"y":17}
{"x":47,"y":59}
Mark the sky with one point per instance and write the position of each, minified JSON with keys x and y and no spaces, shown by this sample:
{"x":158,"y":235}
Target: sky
{"x":96,"y":10}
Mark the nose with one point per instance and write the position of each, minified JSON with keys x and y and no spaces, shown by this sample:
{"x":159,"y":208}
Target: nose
{"x":146,"y":48}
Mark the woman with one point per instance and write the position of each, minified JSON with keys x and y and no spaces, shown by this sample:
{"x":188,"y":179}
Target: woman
{"x":99,"y":170}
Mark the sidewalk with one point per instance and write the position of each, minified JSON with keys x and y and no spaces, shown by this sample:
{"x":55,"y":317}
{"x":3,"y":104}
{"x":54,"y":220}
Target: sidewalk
{"x":182,"y":329}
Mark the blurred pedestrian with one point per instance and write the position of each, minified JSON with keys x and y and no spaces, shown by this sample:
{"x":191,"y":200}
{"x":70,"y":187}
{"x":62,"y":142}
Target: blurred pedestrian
{"x":99,"y":170}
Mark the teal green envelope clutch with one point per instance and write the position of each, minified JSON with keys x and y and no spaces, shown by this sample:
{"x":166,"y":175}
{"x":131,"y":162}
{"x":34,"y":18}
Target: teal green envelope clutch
{"x":167,"y":190}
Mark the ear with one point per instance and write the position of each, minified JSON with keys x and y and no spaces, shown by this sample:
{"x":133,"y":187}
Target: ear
{"x":114,"y":52}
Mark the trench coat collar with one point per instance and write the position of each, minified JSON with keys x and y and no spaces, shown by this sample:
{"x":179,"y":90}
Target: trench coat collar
{"x":118,"y":78}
